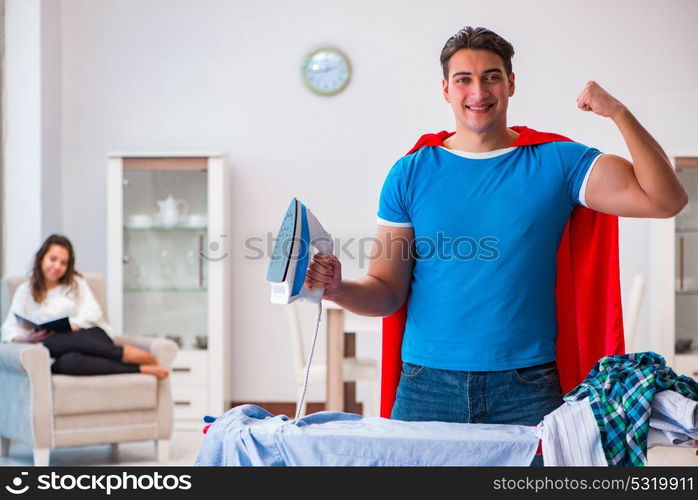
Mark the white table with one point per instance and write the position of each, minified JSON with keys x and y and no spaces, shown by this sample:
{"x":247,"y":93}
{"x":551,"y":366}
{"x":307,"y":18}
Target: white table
{"x":340,"y":321}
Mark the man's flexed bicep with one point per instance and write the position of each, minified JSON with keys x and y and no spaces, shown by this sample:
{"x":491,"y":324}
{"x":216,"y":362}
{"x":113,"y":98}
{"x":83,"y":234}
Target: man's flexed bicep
{"x":386,"y":285}
{"x":645,"y":187}
{"x":613,"y":189}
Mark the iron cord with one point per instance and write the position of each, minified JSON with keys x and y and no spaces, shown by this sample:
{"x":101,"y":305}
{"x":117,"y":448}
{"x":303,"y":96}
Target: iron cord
{"x":301,"y":399}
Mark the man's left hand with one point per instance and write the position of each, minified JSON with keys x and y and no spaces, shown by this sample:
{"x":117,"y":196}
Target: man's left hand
{"x":596,"y":99}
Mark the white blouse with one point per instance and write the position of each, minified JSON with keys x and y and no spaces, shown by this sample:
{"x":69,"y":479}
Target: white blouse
{"x":79,"y":305}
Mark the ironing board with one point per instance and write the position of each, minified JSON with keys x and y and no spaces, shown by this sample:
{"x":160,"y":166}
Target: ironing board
{"x":249,"y":435}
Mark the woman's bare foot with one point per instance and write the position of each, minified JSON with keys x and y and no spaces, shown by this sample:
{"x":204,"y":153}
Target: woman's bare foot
{"x":137,"y":356}
{"x":159,"y":371}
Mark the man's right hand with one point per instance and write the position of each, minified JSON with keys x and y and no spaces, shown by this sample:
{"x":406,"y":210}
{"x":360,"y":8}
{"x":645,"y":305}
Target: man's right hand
{"x":324,"y":271}
{"x":386,"y":284}
{"x":33,"y":336}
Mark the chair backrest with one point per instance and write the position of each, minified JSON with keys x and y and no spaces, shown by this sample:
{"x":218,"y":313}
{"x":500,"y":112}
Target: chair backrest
{"x":297,"y":350}
{"x":96,"y":283}
{"x":9,"y":286}
{"x":94,"y":280}
{"x":630,"y":319}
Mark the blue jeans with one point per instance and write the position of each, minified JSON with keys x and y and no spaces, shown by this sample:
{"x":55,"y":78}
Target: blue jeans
{"x":522,"y":396}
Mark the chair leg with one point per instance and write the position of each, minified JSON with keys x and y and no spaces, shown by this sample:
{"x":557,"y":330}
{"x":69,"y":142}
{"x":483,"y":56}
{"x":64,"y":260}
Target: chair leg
{"x":368,"y":409}
{"x":375,"y":399}
{"x":162,"y":450}
{"x":4,"y":447}
{"x":41,"y":457}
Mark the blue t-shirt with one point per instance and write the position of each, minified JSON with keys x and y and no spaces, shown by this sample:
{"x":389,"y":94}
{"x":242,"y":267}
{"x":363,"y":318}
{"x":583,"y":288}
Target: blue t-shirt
{"x":487,"y":227}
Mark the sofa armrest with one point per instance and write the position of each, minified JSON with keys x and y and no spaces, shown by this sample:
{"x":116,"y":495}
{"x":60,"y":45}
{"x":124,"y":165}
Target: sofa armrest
{"x":22,"y":357}
{"x":164,"y":350}
{"x":26,"y":394}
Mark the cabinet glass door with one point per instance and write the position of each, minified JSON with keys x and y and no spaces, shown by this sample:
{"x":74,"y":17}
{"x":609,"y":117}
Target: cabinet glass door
{"x":687,"y":261}
{"x":164,"y":234}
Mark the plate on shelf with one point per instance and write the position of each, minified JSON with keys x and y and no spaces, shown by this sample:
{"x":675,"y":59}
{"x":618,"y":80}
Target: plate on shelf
{"x":194,"y":220}
{"x":139,"y":221}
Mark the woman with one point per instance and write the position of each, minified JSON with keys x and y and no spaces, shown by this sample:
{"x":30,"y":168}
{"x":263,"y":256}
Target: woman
{"x":57,"y":290}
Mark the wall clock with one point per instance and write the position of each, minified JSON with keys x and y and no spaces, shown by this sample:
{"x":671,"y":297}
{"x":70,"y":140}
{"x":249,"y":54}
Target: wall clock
{"x":326,"y":71}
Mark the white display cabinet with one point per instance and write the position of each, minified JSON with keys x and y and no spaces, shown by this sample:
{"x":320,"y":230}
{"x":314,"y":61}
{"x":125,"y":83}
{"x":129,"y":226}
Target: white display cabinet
{"x":168,"y":268}
{"x":673,"y":284}
{"x":686,"y":278}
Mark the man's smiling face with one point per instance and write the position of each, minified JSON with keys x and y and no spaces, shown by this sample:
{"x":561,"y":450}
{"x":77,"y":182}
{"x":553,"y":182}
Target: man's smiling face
{"x":478,"y":89}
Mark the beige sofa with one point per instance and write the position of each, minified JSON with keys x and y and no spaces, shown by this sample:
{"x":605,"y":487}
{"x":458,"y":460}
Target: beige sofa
{"x":50,"y":411}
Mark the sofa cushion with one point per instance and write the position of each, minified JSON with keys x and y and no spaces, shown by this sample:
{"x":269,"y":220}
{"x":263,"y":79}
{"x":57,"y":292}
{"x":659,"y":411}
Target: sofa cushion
{"x":73,"y":395}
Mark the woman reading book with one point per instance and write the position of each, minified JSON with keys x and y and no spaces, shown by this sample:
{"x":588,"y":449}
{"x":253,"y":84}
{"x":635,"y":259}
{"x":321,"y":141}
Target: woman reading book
{"x":56,"y":290}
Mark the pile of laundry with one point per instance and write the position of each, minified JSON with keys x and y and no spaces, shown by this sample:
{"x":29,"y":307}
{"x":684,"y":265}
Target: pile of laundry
{"x":625,"y":404}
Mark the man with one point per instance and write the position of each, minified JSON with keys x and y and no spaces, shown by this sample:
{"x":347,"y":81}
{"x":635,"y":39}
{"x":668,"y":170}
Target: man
{"x":481,"y":221}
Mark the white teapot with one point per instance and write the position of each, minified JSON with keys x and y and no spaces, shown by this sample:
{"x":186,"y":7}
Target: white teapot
{"x":170,"y":213}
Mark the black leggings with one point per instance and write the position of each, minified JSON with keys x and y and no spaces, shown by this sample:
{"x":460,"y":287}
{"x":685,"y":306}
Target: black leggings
{"x":87,"y":352}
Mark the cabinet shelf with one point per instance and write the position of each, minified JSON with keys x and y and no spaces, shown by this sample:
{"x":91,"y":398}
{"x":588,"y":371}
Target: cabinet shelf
{"x":172,"y":289}
{"x":163,"y":228}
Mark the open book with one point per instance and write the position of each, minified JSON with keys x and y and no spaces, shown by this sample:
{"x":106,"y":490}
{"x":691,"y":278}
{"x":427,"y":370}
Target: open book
{"x":55,"y":325}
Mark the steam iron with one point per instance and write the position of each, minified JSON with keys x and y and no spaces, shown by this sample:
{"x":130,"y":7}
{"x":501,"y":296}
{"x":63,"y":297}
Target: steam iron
{"x":299,"y":231}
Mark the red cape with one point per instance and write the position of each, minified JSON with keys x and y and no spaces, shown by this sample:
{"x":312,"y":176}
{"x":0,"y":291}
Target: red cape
{"x":587,"y":291}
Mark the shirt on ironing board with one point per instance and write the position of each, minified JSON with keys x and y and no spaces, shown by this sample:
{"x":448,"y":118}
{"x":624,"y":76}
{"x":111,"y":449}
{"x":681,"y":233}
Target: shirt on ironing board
{"x":487,"y":227}
{"x":79,"y":304}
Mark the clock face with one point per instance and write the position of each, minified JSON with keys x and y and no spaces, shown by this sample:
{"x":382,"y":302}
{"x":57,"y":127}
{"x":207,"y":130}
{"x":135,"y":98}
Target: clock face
{"x":326,"y":71}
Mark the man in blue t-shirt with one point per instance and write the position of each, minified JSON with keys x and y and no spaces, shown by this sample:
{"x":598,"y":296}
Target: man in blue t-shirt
{"x":469,"y":231}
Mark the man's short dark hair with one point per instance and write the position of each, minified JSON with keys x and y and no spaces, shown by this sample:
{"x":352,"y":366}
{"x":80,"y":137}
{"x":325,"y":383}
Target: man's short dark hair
{"x":477,"y":39}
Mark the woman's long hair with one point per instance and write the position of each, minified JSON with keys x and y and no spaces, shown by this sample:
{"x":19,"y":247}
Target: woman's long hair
{"x":38,"y":283}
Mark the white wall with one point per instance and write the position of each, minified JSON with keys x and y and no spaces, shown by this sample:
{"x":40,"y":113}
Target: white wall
{"x":32,"y":192}
{"x":224,"y":75}
{"x":22,"y":151}
{"x":51,"y":185}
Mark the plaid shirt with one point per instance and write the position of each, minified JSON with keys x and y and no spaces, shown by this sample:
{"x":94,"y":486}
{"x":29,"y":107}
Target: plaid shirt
{"x":620,"y":391}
